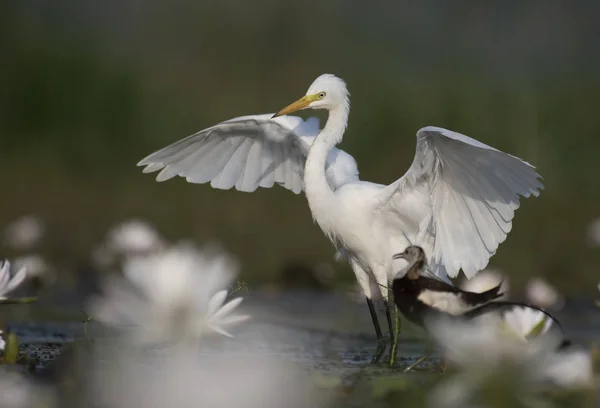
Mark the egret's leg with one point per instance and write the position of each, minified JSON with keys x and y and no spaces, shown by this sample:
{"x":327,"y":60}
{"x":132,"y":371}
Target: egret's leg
{"x":393,"y":337}
{"x":388,"y":316}
{"x":380,"y":339}
{"x":398,"y":327}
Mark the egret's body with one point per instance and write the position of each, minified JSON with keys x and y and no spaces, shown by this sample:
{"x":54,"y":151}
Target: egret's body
{"x":456,"y":201}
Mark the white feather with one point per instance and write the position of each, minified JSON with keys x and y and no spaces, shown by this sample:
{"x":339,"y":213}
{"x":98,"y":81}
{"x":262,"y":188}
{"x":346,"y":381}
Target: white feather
{"x":444,"y":301}
{"x":249,"y":152}
{"x":471,"y":191}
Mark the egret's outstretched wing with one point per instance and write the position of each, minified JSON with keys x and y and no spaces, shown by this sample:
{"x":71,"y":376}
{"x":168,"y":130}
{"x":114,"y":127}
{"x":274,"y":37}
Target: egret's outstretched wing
{"x":249,"y":152}
{"x":465,"y":194}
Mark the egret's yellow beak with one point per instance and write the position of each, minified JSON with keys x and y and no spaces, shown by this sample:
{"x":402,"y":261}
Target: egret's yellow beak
{"x":301,"y":103}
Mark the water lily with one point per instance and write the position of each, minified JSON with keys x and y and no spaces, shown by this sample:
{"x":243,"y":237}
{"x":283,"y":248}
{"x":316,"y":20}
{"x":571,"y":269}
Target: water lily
{"x":224,"y":379}
{"x":133,"y":236}
{"x":36,"y":265}
{"x":24,"y":233}
{"x":2,"y":341}
{"x":527,"y":322}
{"x":8,"y":281}
{"x":489,"y":357}
{"x":593,"y":233}
{"x":542,"y":294}
{"x":170,"y":296}
{"x":18,"y":392}
{"x":485,"y":280}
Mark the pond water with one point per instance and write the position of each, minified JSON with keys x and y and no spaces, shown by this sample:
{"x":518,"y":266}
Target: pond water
{"x":327,"y":332}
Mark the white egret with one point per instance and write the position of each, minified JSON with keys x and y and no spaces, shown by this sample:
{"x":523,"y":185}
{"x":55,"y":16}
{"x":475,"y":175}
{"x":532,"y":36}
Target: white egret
{"x":457,"y":199}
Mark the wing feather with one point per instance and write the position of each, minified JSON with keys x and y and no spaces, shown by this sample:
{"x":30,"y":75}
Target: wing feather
{"x":234,"y":166}
{"x":471,"y":193}
{"x":249,"y":152}
{"x":249,"y":179}
{"x":268,"y":175}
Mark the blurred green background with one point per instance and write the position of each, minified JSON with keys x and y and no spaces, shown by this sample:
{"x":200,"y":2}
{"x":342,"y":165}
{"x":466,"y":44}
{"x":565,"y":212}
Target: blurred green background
{"x":89,"y":88}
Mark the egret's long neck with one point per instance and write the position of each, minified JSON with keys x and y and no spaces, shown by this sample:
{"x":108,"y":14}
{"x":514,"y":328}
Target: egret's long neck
{"x":318,"y":192}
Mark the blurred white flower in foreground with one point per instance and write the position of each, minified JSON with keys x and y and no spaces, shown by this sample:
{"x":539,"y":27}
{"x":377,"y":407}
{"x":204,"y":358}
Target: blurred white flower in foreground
{"x":488,"y":357}
{"x":24,"y":233}
{"x":594,"y":232}
{"x":542,"y":294}
{"x":36,"y":266}
{"x":133,"y":236}
{"x":526,"y":322}
{"x":174,"y":295}
{"x":2,"y":341}
{"x":192,"y":380}
{"x":9,"y":283}
{"x":485,"y":280}
{"x":18,"y":392}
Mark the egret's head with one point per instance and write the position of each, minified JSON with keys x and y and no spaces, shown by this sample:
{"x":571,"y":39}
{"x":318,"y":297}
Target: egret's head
{"x":326,"y":92}
{"x":412,"y":254}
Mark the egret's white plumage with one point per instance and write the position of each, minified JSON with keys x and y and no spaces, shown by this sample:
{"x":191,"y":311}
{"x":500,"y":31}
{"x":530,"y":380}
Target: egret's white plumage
{"x":457,"y":199}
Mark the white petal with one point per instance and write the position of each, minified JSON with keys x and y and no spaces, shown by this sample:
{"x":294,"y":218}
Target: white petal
{"x":524,"y":319}
{"x":571,"y":369}
{"x":233,"y":320}
{"x":216,"y":302}
{"x":16,"y":280}
{"x":218,"y":329}
{"x":228,"y":308}
{"x":4,"y":275}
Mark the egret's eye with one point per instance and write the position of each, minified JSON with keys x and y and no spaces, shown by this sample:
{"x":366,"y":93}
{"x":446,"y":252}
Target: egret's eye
{"x":321,"y":95}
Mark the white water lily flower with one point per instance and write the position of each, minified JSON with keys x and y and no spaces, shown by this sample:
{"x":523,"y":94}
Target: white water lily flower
{"x":171,"y":296}
{"x":193,"y":379}
{"x":36,"y":266}
{"x":593,"y":232}
{"x":571,"y":369}
{"x":524,"y":321}
{"x":488,"y":356}
{"x":9,"y":283}
{"x":485,"y":280}
{"x":542,"y":294}
{"x":24,"y":233}
{"x":18,"y":392}
{"x":2,"y":342}
{"x":133,"y":236}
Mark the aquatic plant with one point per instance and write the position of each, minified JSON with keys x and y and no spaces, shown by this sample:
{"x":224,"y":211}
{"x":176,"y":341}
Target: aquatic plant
{"x":24,"y":233}
{"x":490,"y":362}
{"x":174,"y":295}
{"x":542,"y":294}
{"x":10,"y":281}
{"x":485,"y":280}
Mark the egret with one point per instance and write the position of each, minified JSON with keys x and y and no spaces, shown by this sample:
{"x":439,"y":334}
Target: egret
{"x":457,"y":199}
